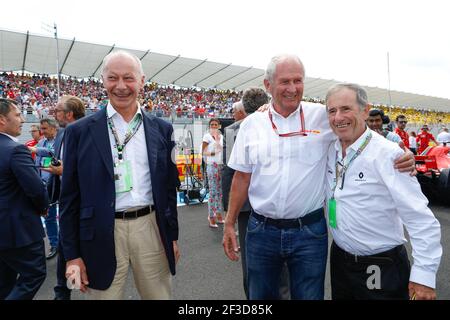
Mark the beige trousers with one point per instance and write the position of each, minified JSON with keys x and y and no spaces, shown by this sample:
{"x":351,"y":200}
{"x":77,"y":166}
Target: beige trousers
{"x":138,"y":244}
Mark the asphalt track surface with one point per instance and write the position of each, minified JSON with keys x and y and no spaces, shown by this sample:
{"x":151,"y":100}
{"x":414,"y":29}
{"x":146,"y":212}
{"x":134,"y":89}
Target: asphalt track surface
{"x":204,"y":272}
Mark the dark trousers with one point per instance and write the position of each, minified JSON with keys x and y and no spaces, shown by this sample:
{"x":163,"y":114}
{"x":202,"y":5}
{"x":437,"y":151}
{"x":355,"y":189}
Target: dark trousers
{"x":61,"y":290}
{"x":22,"y":271}
{"x":384,"y":276}
{"x":284,"y":279}
{"x":51,"y":225}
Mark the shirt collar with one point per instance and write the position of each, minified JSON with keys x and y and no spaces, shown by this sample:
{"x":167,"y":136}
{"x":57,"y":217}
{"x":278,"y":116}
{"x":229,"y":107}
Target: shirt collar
{"x":11,"y":137}
{"x":111,"y":112}
{"x":272,"y":109}
{"x":354,"y":146}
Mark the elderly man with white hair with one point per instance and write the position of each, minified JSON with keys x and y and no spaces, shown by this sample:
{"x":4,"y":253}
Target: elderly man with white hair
{"x":118,"y":196}
{"x":367,"y":214}
{"x":443,"y":138}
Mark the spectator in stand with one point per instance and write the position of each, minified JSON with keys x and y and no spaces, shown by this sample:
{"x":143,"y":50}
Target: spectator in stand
{"x":36,"y":136}
{"x":423,"y":139}
{"x":413,"y":142}
{"x":400,"y":130}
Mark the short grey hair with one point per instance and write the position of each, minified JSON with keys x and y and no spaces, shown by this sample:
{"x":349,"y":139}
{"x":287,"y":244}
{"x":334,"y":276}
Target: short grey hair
{"x":51,"y":122}
{"x":361,"y":94}
{"x":122,"y":53}
{"x":253,"y":98}
{"x":238,"y":106}
{"x":271,"y":67}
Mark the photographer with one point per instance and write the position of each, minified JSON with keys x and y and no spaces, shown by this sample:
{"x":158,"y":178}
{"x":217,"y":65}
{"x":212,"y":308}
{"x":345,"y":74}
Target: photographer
{"x":45,"y":151}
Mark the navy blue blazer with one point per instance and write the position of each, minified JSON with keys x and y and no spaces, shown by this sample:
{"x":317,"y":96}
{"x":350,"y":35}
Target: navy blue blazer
{"x":87,"y":200}
{"x":23,"y":196}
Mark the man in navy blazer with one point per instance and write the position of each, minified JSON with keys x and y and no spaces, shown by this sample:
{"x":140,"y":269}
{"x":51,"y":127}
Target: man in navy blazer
{"x":23,"y":199}
{"x":118,"y":192}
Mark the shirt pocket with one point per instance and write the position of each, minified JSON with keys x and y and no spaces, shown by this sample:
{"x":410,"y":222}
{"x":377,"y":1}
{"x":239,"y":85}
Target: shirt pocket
{"x":309,"y":151}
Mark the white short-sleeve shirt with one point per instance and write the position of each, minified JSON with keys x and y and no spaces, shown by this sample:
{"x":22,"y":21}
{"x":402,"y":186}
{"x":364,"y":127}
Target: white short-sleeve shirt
{"x":287,"y":173}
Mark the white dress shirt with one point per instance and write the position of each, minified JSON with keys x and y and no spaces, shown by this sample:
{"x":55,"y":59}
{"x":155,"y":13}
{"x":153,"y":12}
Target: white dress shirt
{"x":135,"y":151}
{"x":11,"y":137}
{"x":377,"y":201}
{"x":443,"y":137}
{"x":287,"y":173}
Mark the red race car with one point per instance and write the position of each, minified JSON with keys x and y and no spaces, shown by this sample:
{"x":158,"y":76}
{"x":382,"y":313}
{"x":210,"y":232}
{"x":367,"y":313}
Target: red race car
{"x":433,"y":172}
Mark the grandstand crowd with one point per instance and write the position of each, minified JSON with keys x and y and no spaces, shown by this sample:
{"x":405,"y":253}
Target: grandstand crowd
{"x":39,"y":94}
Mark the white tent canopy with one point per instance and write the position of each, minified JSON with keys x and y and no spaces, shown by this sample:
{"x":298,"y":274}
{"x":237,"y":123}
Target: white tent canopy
{"x":37,"y":54}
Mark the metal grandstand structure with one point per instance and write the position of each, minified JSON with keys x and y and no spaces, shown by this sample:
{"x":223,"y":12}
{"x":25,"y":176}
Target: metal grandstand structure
{"x":37,"y":54}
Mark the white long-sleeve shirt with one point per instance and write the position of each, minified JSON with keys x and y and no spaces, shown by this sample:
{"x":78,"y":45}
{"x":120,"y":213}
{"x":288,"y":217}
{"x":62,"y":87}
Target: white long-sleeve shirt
{"x":136,"y":152}
{"x":377,"y":201}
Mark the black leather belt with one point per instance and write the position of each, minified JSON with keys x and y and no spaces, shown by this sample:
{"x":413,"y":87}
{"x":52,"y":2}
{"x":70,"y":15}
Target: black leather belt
{"x":312,"y":217}
{"x":133,"y":214}
{"x":386,"y":257}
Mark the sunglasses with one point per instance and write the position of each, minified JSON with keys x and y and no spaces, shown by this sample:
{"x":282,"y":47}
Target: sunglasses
{"x":403,"y":122}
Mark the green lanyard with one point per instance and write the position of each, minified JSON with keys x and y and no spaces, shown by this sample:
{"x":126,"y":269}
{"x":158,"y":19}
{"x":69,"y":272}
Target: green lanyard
{"x":341,"y":174}
{"x":133,"y":127}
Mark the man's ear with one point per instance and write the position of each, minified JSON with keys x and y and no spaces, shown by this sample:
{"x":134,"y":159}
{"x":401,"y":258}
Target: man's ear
{"x":267,"y":85}
{"x":71,"y":115}
{"x":366,"y":112}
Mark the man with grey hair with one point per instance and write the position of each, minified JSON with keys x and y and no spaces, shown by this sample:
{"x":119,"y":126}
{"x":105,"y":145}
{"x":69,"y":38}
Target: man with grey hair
{"x":118,"y":192}
{"x":45,"y":151}
{"x":367,"y":214}
{"x":443,"y":138}
{"x":274,"y":157}
{"x":238,"y":111}
{"x":252,"y":99}
{"x":280,"y":161}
